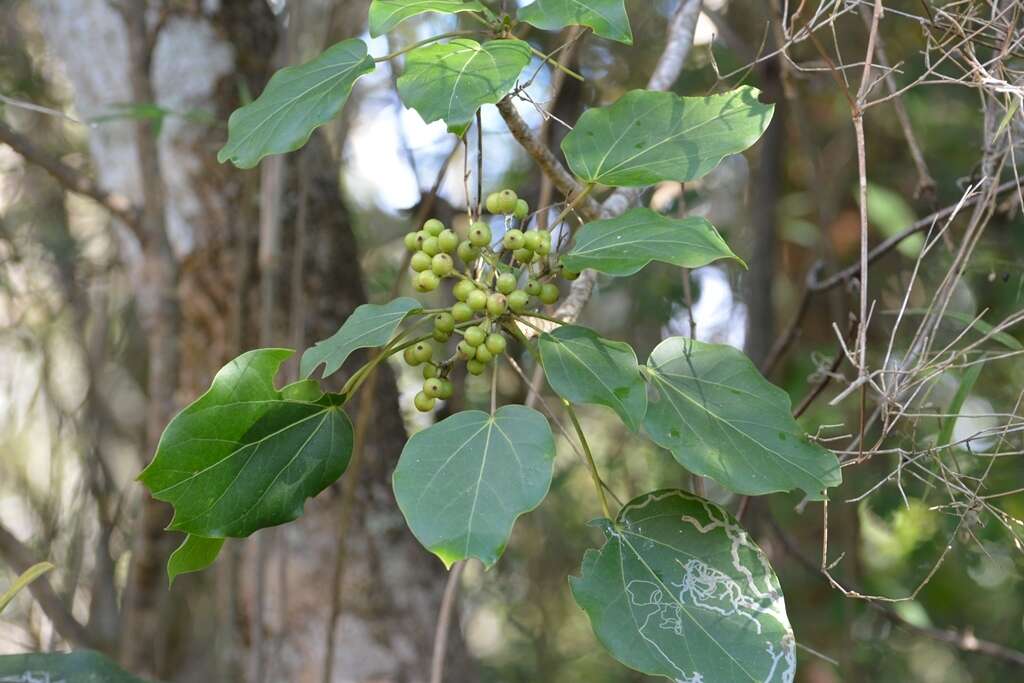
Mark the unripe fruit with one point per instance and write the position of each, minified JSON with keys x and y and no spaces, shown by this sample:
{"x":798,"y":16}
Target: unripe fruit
{"x":476,"y":300}
{"x":496,"y":343}
{"x":462,"y":289}
{"x":423,"y":351}
{"x":549,"y":293}
{"x":424,"y":403}
{"x":497,"y":304}
{"x":523,"y":255}
{"x":444,"y":322}
{"x":431,"y":247}
{"x":522,"y":209}
{"x":480,"y":234}
{"x":409,"y":356}
{"x":429,"y":370}
{"x":432,"y":388}
{"x":506,"y":283}
{"x":448,"y":241}
{"x":462,"y":312}
{"x":518,"y":301}
{"x":569,"y":274}
{"x":531,"y":240}
{"x":441,"y":337}
{"x":442,"y":265}
{"x":411,"y":241}
{"x":507,"y":201}
{"x":467,"y":253}
{"x":466,"y":350}
{"x":434,"y":227}
{"x":544,"y":248}
{"x":474,"y":336}
{"x":493,"y":203}
{"x":513,"y":239}
{"x":427,"y":281}
{"x":483,"y":354}
{"x":475,"y":367}
{"x":420,"y":261}
{"x":421,"y":236}
{"x":447,"y":389}
{"x":533,"y":288}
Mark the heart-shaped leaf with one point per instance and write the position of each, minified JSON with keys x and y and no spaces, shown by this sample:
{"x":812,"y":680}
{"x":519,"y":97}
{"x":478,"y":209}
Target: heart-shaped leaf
{"x":722,"y":419}
{"x":387,"y":14}
{"x":194,"y":555}
{"x":584,"y":368}
{"x":625,"y":244}
{"x":71,"y":667}
{"x":462,"y":483}
{"x":680,"y":590}
{"x":296,"y":101}
{"x":450,"y":81}
{"x":370,"y":325}
{"x":607,"y":18}
{"x":647,"y":137}
{"x":245,"y":456}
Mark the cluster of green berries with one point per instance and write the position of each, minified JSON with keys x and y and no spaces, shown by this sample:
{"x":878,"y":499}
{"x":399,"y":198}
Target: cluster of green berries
{"x":487,"y":297}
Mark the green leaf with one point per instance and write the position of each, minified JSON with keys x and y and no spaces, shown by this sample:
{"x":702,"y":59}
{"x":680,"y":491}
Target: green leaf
{"x":194,"y":555}
{"x":23,"y":582}
{"x":243,"y":456}
{"x":647,"y":137}
{"x":625,"y":244}
{"x":296,"y":101}
{"x":607,"y":18}
{"x":450,"y":81}
{"x":463,"y":482}
{"x":72,"y":667}
{"x":387,"y":14}
{"x":584,"y":368}
{"x":963,"y":391}
{"x":680,"y":590}
{"x":721,"y":419}
{"x":369,"y":326}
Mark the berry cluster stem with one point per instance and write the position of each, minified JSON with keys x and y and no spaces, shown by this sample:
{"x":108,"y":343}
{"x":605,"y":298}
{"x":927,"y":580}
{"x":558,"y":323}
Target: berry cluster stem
{"x":594,"y":474}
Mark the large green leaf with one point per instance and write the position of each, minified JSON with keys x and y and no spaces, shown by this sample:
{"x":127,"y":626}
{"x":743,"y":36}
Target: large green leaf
{"x":647,"y":136}
{"x":680,"y":590}
{"x":72,"y":667}
{"x":369,"y":325}
{"x":625,"y":244}
{"x":450,"y":81}
{"x":22,"y":582}
{"x":462,"y":483}
{"x":245,"y":456}
{"x":296,"y":101}
{"x":607,"y":18}
{"x":387,"y":14}
{"x":193,"y":555}
{"x":584,"y":368}
{"x":722,"y":419}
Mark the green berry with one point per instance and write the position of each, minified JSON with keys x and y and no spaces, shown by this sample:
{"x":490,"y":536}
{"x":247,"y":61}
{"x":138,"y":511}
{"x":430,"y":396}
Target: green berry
{"x":467,"y":253}
{"x":549,"y":293}
{"x":518,"y":301}
{"x":513,"y":239}
{"x":466,"y":350}
{"x":506,"y":283}
{"x":462,"y":312}
{"x":424,"y":403}
{"x":431,"y":247}
{"x":421,"y":236}
{"x":433,"y":227}
{"x":448,"y":241}
{"x":531,"y":240}
{"x":444,"y":321}
{"x":480,"y":234}
{"x":410,"y":357}
{"x":507,"y":200}
{"x":442,"y":265}
{"x":522,"y":209}
{"x":432,"y":388}
{"x":447,"y":389}
{"x":483,"y":354}
{"x":544,"y":248}
{"x":429,"y":370}
{"x":423,"y":351}
{"x":441,"y":337}
{"x":497,"y":304}
{"x":569,"y":274}
{"x":411,"y":241}
{"x":427,"y":281}
{"x":475,"y":367}
{"x":476,"y":300}
{"x":493,"y":203}
{"x":496,"y":343}
{"x":474,"y":336}
{"x":523,"y":255}
{"x":533,"y":288}
{"x":420,"y":261}
{"x":462,"y":289}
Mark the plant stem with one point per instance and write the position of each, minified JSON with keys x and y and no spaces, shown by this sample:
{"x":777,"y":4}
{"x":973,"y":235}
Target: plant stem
{"x":427,"y":41}
{"x":558,"y":65}
{"x":580,"y":198}
{"x":590,"y":461}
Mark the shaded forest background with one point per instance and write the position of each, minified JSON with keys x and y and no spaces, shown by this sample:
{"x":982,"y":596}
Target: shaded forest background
{"x":133,"y":266}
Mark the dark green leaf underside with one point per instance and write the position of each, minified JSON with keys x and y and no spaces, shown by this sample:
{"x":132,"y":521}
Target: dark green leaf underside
{"x":73,"y":667}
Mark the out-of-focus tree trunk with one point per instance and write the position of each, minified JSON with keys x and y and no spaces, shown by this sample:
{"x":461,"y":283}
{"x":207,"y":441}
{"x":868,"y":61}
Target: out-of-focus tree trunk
{"x":200,"y":58}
